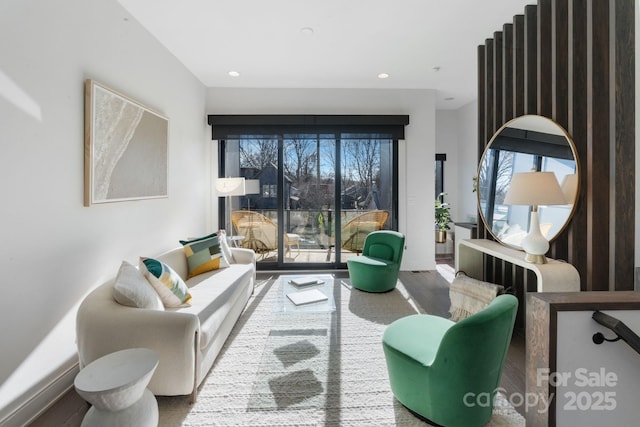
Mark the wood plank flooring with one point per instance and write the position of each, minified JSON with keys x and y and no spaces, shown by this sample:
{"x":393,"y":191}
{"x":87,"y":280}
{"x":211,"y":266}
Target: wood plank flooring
{"x":428,"y":288}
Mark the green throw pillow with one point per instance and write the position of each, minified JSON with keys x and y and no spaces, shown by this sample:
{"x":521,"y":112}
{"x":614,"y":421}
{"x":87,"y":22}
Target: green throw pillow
{"x":203,"y":254}
{"x":167,"y":283}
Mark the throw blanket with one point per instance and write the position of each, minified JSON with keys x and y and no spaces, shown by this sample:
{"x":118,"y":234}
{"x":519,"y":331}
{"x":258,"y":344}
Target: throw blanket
{"x":469,"y":296}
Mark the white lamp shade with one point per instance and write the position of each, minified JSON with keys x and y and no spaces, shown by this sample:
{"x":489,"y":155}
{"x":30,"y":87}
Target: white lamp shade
{"x":570,"y":188}
{"x":230,"y":187}
{"x":534,"y":189}
{"x":252,"y":186}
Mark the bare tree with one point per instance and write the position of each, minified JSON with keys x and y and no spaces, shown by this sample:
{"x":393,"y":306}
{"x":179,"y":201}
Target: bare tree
{"x":362,"y":164}
{"x":258,"y":153}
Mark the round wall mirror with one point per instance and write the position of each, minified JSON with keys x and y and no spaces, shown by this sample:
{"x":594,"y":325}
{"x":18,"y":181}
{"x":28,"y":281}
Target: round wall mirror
{"x":524,"y":144}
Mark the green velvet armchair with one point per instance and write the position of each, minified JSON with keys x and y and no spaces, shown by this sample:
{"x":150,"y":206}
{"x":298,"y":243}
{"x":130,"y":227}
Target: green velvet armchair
{"x":376,"y":270}
{"x":445,"y":372}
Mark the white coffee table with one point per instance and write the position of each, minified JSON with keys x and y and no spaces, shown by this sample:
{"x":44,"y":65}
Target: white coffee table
{"x":116,"y":386}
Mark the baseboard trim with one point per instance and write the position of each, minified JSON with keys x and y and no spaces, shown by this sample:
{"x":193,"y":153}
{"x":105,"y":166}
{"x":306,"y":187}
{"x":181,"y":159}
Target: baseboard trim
{"x":36,"y":404}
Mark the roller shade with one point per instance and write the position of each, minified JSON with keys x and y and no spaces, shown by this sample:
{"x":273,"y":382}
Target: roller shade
{"x":268,"y":126}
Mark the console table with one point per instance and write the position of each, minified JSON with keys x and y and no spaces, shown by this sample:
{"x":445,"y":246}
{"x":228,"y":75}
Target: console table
{"x":554,"y":276}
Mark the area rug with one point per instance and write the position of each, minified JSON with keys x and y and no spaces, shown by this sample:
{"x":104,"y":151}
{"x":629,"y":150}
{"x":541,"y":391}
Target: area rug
{"x":308,"y":369}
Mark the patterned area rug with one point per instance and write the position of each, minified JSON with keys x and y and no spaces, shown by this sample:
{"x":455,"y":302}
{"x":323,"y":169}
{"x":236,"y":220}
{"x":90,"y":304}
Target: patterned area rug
{"x":308,"y":369}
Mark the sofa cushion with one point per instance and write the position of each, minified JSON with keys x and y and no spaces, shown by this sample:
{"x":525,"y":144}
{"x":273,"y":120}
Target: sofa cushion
{"x":167,"y":283}
{"x":132,"y":289}
{"x":203,"y":254}
{"x":214,"y":294}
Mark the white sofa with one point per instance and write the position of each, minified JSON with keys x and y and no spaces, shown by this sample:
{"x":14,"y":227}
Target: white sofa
{"x":187,"y":339}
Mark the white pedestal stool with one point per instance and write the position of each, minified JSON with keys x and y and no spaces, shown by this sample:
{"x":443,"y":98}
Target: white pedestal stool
{"x":116,"y":386}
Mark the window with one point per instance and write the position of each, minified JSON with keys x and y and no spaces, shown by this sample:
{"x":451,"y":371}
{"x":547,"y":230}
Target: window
{"x":316,"y":185}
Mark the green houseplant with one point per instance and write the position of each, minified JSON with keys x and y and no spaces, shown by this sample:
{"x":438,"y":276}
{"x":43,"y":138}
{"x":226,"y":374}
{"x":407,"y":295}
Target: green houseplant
{"x":442,"y":218}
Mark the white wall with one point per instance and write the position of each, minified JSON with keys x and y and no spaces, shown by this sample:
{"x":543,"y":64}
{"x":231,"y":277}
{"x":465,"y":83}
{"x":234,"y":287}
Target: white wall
{"x":54,"y":250}
{"x":456,"y":136}
{"x":447,"y":143}
{"x":467,"y":127}
{"x":417,"y":152}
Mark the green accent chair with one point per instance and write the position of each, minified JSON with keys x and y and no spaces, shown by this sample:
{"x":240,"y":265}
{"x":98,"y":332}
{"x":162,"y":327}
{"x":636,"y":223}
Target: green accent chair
{"x":445,"y":372}
{"x":376,"y":270}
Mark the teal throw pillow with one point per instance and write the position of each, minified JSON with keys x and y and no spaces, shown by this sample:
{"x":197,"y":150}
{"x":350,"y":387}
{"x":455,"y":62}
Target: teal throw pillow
{"x":167,"y":283}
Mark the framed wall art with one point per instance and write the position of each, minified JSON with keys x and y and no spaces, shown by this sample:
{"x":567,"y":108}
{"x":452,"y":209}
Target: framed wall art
{"x":126,"y":148}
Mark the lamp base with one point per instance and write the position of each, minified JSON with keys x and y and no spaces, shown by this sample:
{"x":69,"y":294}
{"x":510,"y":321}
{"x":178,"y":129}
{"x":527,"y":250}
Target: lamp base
{"x":535,"y":259}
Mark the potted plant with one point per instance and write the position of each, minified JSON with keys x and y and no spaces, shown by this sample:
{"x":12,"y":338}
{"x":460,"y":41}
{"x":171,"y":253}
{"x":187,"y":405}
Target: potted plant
{"x":442,"y":218}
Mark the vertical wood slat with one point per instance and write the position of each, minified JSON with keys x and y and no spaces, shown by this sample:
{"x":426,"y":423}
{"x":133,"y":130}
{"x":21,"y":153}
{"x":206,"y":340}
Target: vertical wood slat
{"x":560,"y":69}
{"x":598,"y":150}
{"x":623,"y":57}
{"x":590,"y":91}
{"x":577,"y":128}
{"x":498,"y":83}
{"x":488,"y":102}
{"x":559,"y":86}
{"x":530,"y":59}
{"x":545,"y":53}
{"x":507,"y":73}
{"x":518,"y":65}
{"x":482,"y":120}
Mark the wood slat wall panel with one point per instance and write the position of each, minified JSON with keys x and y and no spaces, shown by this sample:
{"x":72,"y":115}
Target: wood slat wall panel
{"x":598,"y":150}
{"x":624,"y":137}
{"x":518,"y":65}
{"x":531,"y":59}
{"x":573,"y":61}
{"x":482,"y":117}
{"x":559,"y":91}
{"x":498,"y":78}
{"x":577,"y":128}
{"x":546,"y":51}
{"x":507,"y":73}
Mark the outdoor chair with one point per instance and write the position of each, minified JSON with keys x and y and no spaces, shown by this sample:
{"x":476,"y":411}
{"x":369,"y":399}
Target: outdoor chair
{"x":356,"y":230}
{"x":260,"y":233}
{"x":376,"y":270}
{"x":447,"y":372}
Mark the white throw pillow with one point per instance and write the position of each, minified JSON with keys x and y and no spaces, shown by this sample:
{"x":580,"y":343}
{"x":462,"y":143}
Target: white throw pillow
{"x":224,"y":245}
{"x":133,"y":290}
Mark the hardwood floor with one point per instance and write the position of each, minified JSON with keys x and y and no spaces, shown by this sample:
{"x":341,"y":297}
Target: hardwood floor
{"x":429,"y":289}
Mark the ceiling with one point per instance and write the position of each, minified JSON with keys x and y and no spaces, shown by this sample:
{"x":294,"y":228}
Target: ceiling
{"x":420,"y":44}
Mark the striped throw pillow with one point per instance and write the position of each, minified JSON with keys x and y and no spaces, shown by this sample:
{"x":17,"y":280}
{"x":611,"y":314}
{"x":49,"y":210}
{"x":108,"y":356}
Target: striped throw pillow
{"x":203,"y":254}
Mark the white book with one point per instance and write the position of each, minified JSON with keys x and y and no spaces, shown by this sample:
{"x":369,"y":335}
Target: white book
{"x":304,"y":281}
{"x":307,"y":297}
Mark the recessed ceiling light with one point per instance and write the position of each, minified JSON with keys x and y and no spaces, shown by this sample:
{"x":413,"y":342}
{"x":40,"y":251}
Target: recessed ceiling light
{"x":234,"y":73}
{"x":307,"y":31}
{"x":383,"y":76}
{"x":436,"y":69}
{"x":449,"y":98}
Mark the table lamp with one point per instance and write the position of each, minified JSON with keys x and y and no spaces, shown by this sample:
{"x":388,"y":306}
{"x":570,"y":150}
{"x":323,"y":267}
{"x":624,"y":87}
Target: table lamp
{"x":227,"y":187}
{"x":251,"y":186}
{"x":570,"y":188}
{"x":534,"y":189}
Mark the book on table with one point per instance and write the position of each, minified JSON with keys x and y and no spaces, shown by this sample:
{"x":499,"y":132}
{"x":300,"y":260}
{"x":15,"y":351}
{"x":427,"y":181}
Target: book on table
{"x":307,"y":297}
{"x":305,"y":281}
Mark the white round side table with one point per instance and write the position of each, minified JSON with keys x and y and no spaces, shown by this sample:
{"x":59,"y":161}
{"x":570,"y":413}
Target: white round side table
{"x":116,"y":386}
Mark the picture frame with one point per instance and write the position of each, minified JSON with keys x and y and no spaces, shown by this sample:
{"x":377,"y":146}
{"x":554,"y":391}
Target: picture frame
{"x":126,"y":151}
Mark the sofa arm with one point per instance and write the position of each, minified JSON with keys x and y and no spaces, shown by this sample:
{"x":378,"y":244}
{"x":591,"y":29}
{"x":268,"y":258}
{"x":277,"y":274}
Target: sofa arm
{"x":104,"y":326}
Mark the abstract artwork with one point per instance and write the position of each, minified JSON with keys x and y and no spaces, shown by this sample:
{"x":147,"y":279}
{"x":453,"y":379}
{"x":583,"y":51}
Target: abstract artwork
{"x":126,"y":148}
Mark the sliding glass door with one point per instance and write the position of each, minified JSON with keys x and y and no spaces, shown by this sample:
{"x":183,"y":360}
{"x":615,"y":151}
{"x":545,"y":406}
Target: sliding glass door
{"x":311,"y":198}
